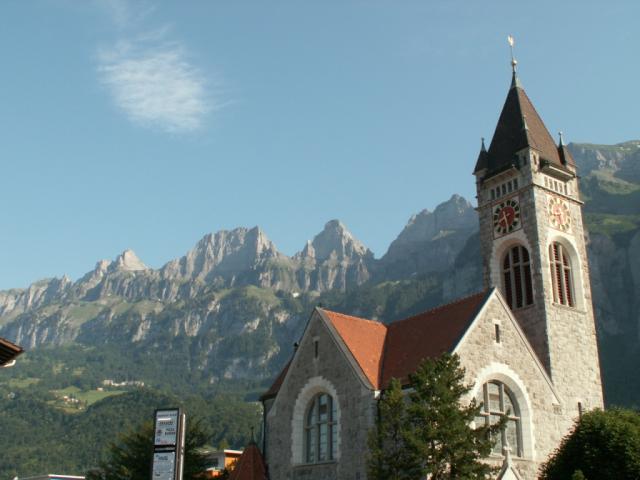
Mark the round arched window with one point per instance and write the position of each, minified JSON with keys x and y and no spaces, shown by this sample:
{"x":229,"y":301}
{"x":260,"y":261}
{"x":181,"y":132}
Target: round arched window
{"x":497,"y":402}
{"x":320,"y":430}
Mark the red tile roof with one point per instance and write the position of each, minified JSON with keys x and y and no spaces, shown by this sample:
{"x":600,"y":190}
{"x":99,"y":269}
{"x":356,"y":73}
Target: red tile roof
{"x":364,"y":339}
{"x":8,"y":351}
{"x":250,"y":465}
{"x":386,"y":351}
{"x":427,"y":335}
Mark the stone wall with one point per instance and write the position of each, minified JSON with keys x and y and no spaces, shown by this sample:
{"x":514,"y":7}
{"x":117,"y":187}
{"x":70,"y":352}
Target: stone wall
{"x":543,"y":419}
{"x":332,"y":373}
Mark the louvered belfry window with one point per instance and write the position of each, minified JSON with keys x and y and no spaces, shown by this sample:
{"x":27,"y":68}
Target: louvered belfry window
{"x":561,"y":275}
{"x":516,"y":272}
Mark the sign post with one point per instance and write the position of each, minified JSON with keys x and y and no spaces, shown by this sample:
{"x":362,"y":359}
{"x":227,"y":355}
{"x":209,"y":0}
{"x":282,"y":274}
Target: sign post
{"x":168,"y":444}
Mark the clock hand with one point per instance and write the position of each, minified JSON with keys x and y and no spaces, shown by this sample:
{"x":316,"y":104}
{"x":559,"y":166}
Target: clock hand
{"x":504,"y":218}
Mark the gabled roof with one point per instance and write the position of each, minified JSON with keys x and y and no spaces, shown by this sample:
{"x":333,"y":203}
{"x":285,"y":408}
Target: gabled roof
{"x":519,"y":126}
{"x":250,"y":465}
{"x":8,"y":351}
{"x":427,"y":335}
{"x":395,"y":350}
{"x":365,"y":339}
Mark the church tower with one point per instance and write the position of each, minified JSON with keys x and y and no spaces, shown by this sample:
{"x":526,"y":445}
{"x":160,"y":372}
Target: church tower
{"x":533,"y":247}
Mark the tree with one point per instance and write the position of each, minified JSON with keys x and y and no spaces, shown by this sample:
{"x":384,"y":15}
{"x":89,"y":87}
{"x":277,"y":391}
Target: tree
{"x":388,"y":457}
{"x":428,"y":432}
{"x":602,"y":445}
{"x":131,"y":457}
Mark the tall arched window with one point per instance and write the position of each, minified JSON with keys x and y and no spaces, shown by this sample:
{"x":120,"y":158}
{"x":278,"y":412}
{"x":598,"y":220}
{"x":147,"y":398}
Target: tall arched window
{"x":561,"y":274}
{"x":498,"y":401}
{"x":320,"y":435}
{"x":516,"y":274}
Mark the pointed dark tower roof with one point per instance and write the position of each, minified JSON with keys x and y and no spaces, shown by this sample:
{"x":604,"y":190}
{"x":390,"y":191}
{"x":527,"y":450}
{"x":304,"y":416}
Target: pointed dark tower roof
{"x":565,"y":155}
{"x":519,"y":126}
{"x":481,"y":163}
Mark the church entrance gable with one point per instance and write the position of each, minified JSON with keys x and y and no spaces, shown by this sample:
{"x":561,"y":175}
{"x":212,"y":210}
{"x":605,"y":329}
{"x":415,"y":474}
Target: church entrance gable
{"x":510,"y":380}
{"x":320,"y":417}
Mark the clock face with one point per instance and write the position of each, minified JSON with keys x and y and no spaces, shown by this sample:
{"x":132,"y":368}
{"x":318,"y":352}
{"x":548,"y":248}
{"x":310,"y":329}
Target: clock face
{"x":506,"y":217}
{"x":559,"y":215}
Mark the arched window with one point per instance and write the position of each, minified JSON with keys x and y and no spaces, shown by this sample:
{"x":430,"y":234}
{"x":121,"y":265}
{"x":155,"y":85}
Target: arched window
{"x":498,"y":401}
{"x":516,"y":274}
{"x":320,"y":430}
{"x":561,"y":274}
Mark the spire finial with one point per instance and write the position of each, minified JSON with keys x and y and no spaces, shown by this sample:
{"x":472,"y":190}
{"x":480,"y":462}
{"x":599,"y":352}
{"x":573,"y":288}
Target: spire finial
{"x":561,"y":139}
{"x":515,"y":81}
{"x":514,"y":62}
{"x":483,"y":148}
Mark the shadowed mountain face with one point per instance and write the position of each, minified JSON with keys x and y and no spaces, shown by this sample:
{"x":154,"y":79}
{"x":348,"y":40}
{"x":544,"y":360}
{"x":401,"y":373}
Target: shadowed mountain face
{"x":237,"y":303}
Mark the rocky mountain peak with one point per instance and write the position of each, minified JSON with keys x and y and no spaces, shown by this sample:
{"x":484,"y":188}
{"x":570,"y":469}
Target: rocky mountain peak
{"x":454,"y":214}
{"x":431,"y":240}
{"x":336,"y":240}
{"x":102,"y":266}
{"x":226,"y":251}
{"x":127,"y":261}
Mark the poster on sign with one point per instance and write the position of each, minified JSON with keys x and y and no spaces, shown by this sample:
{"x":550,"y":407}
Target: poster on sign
{"x":166,"y":431}
{"x":164,"y":465}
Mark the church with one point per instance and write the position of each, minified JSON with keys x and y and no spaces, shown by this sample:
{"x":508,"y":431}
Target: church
{"x":527,"y":342}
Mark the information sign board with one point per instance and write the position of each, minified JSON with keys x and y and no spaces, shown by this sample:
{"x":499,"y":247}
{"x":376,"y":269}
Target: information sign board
{"x":164,"y":465}
{"x":168,"y":444}
{"x":166,"y":427}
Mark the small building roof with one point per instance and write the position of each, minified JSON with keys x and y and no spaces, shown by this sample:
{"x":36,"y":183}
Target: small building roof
{"x":277,"y":383}
{"x":250,"y":465}
{"x":8,"y":351}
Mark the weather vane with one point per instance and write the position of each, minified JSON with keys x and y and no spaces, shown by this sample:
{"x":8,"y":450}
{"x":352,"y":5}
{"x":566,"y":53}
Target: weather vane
{"x":514,"y":62}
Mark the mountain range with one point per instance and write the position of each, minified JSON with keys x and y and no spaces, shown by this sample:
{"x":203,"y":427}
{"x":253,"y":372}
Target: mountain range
{"x":233,"y":305}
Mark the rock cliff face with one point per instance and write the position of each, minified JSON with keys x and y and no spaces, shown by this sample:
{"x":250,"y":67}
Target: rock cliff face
{"x":335,"y":259}
{"x":431,"y":241}
{"x":235,"y":288}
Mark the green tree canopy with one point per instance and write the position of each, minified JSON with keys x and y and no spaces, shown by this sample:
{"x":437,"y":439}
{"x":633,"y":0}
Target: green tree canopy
{"x":603,"y":445}
{"x":428,"y":432}
{"x":130,"y":458}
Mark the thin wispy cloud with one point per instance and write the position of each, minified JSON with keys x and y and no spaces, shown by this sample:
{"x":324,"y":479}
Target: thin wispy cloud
{"x":152,"y":78}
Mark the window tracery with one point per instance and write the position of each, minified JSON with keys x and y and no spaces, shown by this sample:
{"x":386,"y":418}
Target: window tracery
{"x":320,"y":430}
{"x":498,"y":401}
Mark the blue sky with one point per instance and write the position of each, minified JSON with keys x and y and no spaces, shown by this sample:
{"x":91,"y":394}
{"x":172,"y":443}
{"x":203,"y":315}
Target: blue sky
{"x":146,"y":125}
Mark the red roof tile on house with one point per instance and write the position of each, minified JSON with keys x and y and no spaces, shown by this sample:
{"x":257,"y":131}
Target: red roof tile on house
{"x":250,"y":465}
{"x":364,"y":339}
{"x":427,"y":335}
